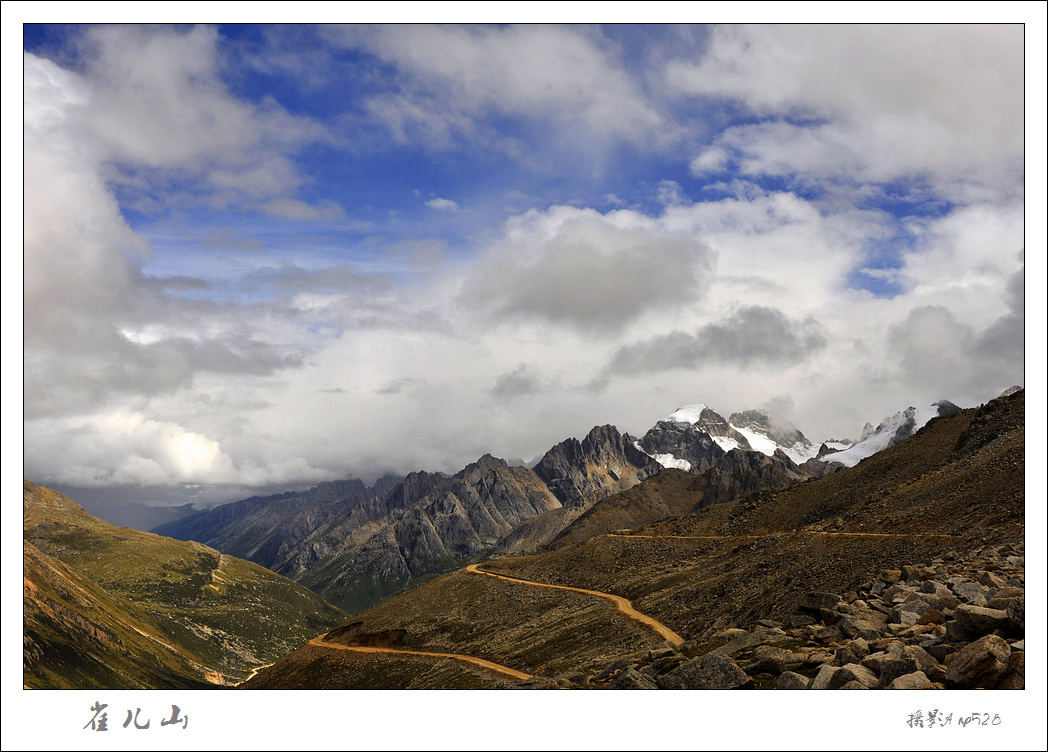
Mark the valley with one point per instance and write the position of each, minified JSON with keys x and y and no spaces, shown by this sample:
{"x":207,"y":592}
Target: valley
{"x":744,"y":566}
{"x":600,"y":567}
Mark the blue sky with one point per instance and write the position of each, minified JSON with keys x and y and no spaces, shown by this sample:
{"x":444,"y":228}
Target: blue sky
{"x":257,"y":257}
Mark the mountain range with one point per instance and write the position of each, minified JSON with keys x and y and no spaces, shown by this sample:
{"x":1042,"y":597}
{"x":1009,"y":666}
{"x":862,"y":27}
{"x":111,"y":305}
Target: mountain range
{"x":357,"y":545}
{"x":903,"y":570}
{"x":704,"y":522}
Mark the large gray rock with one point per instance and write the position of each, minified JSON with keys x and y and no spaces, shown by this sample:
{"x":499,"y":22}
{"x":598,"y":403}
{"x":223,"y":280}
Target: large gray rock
{"x":1017,"y":614}
{"x":706,"y":672}
{"x":971,"y":592}
{"x":792,"y":680}
{"x":979,"y":665}
{"x":815,"y":602}
{"x":633,"y":679}
{"x":910,"y":681}
{"x":981,"y":621}
{"x":853,"y":672}
{"x":870,"y":626}
{"x":768,"y":659}
{"x":824,"y":677}
{"x":894,"y":667}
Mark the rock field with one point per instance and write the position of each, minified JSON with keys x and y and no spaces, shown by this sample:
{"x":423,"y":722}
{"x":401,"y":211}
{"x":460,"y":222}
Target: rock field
{"x":955,"y":621}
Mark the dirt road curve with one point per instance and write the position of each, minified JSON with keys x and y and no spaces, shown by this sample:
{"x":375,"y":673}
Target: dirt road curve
{"x":520,"y":675}
{"x":623,"y":605}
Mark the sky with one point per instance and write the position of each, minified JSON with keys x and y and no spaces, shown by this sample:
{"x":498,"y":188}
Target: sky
{"x":260,"y":257}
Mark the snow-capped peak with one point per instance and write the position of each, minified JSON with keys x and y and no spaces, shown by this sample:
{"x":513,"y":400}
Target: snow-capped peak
{"x":891,"y":431}
{"x":689,"y":414}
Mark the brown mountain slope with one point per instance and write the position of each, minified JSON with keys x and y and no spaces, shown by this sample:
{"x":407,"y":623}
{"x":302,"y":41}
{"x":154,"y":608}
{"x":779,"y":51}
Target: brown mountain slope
{"x":100,"y":602}
{"x":956,"y":484}
{"x":76,"y":635}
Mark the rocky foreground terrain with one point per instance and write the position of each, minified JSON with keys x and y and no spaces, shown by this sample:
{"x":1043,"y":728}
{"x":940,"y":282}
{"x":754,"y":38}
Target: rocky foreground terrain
{"x":956,"y":621}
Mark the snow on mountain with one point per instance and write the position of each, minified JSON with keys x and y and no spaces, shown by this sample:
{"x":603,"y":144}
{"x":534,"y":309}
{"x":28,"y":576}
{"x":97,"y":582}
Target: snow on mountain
{"x":672,"y":442}
{"x":891,"y":431}
{"x":689,"y":414}
{"x":758,"y":430}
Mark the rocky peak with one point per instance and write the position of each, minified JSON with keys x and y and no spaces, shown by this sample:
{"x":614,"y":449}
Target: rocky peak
{"x":774,"y":427}
{"x":604,"y":460}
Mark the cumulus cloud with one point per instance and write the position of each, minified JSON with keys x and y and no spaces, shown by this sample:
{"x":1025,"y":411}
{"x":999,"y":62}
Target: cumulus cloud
{"x":937,"y":350}
{"x":582,"y":269}
{"x":442,"y":204}
{"x":867,"y":102}
{"x":144,"y":104}
{"x":752,"y":335}
{"x":440,"y":335}
{"x":454,"y":77}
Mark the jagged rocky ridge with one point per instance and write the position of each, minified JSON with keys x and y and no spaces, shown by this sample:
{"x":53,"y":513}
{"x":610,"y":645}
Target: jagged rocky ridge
{"x":360,"y":546}
{"x":356,"y":545}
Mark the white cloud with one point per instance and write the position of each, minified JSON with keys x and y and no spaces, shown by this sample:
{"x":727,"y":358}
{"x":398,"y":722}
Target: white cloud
{"x":295,"y":209}
{"x":455,"y":76}
{"x":942,"y":103}
{"x":582,"y":269}
{"x":419,"y":351}
{"x":442,"y":204}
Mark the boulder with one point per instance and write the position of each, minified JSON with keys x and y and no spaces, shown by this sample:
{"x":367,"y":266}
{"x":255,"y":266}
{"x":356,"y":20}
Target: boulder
{"x":815,"y":602}
{"x":979,"y":665}
{"x":890,"y":576}
{"x":822,"y":679}
{"x":768,"y":659}
{"x":633,"y":679}
{"x":915,"y":680}
{"x":792,"y":680}
{"x":739,"y":643}
{"x":706,"y":672}
{"x":981,"y":621}
{"x":920,"y":656}
{"x":853,"y":672}
{"x":932,"y":616}
{"x":971,"y":592}
{"x":894,"y":667}
{"x":989,"y":579}
{"x":1015,"y":678}
{"x":867,"y":627}
{"x":1017,"y":614}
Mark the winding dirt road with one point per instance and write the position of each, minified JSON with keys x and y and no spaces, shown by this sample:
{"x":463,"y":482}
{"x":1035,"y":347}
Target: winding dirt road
{"x":621,"y":603}
{"x":519,"y":675}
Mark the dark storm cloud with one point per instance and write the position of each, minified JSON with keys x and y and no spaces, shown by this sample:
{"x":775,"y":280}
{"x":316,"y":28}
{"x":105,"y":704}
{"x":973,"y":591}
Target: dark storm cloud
{"x":937,"y":351}
{"x":522,"y":381}
{"x":397,"y":386}
{"x":752,"y":335}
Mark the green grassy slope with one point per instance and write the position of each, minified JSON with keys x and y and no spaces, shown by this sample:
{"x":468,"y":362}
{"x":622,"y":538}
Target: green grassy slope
{"x":223,"y":614}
